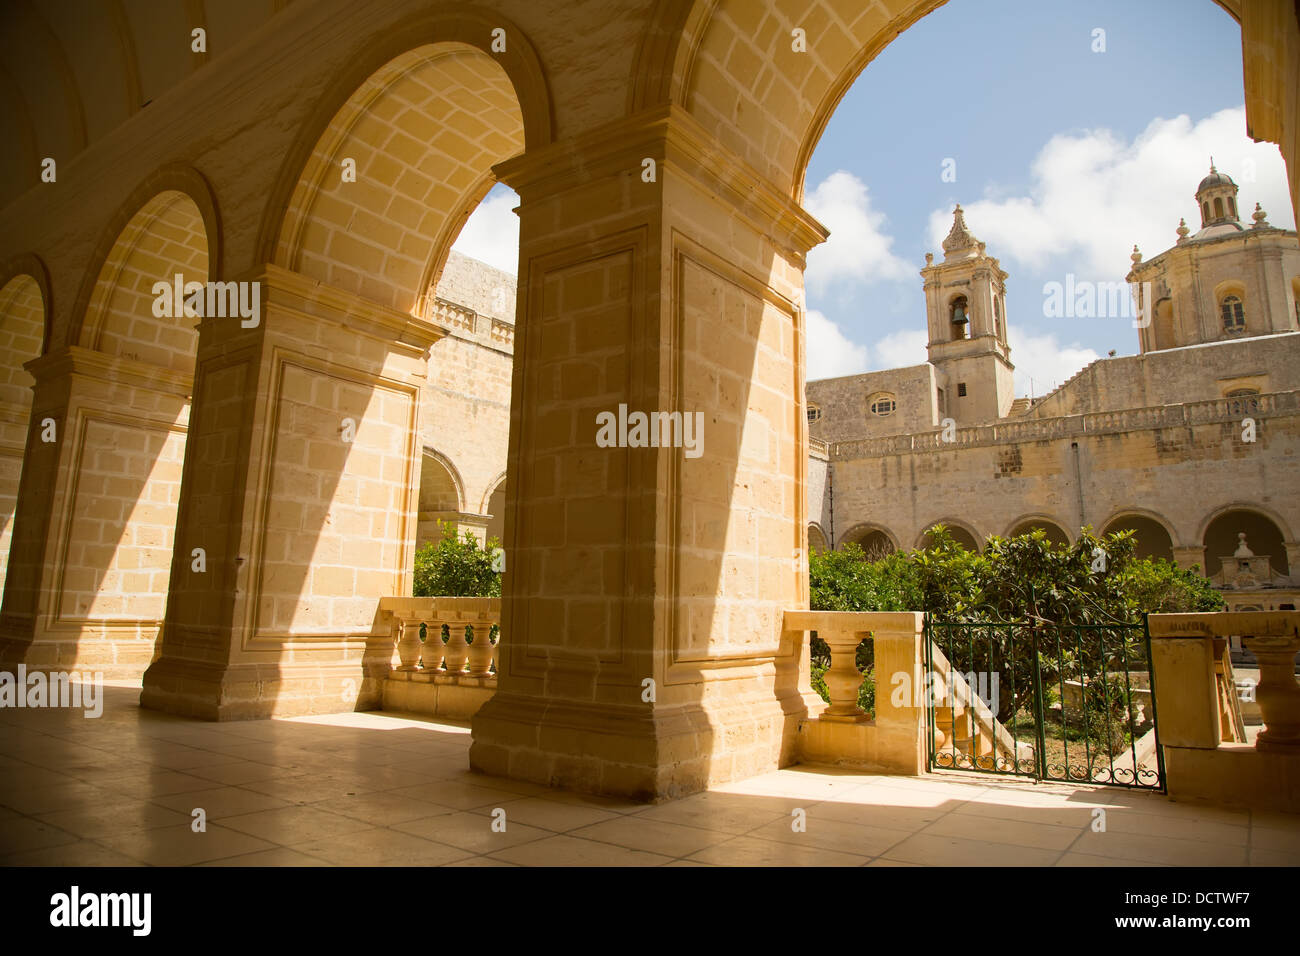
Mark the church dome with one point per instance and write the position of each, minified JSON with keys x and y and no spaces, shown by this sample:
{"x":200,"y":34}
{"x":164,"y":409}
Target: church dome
{"x":1215,"y":178}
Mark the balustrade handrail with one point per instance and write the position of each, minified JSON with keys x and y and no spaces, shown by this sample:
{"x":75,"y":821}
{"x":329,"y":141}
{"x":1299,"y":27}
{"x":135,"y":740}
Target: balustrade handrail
{"x":458,"y":657}
{"x":1064,"y":426}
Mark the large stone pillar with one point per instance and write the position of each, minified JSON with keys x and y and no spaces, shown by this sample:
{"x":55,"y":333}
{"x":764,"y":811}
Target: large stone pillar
{"x":300,"y":490}
{"x":642,"y":643}
{"x":87,"y":579}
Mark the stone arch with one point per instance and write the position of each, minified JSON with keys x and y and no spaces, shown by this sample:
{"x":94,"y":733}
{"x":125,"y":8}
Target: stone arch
{"x":817,"y":540}
{"x":871,"y":537}
{"x":1056,"y":532}
{"x":425,"y":112}
{"x":119,"y":319}
{"x":167,"y":180}
{"x":962,"y":532}
{"x":494,"y":505}
{"x":1155,"y":535}
{"x":727,"y":49}
{"x":96,"y":523}
{"x":1266,"y":534}
{"x":31,"y":268}
{"x":24,"y":333}
{"x":441,"y":495}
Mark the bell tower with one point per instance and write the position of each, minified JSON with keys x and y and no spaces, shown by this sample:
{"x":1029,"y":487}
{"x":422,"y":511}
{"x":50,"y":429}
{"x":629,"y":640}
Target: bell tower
{"x":966,"y":311}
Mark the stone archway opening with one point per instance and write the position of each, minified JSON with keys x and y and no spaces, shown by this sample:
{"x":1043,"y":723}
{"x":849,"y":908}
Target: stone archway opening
{"x":1152,"y":538}
{"x":1263,"y":537}
{"x":22,"y":328}
{"x":1055,"y":533}
{"x":97,"y":570}
{"x":339,"y":369}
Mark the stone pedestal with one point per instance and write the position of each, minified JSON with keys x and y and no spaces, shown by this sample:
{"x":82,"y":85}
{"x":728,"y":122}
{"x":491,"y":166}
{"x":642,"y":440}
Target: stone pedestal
{"x":643,"y":648}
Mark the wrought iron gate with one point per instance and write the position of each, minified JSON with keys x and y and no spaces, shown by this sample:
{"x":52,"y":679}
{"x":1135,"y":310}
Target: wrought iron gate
{"x":1041,"y":699}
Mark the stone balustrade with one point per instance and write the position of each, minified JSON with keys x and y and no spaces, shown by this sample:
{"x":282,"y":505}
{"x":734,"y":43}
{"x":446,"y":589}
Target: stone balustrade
{"x":1064,"y":426}
{"x":474,"y":325}
{"x":1203,"y":757}
{"x":843,"y":735}
{"x":451,"y":675}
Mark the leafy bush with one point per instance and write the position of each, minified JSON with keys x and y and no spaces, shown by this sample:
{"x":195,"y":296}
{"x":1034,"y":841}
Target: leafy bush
{"x":1025,"y":579}
{"x":456,"y":567}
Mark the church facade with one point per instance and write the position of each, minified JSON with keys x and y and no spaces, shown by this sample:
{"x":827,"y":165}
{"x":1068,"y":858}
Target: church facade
{"x":1194,"y":443}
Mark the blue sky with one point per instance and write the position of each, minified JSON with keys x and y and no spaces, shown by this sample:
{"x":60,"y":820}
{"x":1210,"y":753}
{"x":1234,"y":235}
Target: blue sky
{"x":1065,"y":157}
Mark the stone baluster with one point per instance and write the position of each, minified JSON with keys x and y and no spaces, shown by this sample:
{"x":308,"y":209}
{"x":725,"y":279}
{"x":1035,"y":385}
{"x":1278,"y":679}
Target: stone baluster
{"x":843,"y":679}
{"x":1278,"y":693}
{"x":408,"y":643}
{"x":480,"y":652}
{"x":433,"y":646}
{"x":457,"y":650}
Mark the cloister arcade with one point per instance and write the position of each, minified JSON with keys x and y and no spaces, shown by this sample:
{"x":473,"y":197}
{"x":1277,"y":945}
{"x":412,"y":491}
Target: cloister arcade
{"x":224,"y":503}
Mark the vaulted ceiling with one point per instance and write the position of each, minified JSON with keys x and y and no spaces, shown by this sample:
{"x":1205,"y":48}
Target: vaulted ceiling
{"x":73,"y":70}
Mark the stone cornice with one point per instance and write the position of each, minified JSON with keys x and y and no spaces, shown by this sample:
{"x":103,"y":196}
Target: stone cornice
{"x":75,"y":360}
{"x":1191,"y":245}
{"x":318,"y":300}
{"x":671,"y":136}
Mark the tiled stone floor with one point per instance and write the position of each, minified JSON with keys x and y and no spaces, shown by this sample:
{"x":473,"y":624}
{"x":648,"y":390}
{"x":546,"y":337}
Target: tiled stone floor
{"x":374,"y":789}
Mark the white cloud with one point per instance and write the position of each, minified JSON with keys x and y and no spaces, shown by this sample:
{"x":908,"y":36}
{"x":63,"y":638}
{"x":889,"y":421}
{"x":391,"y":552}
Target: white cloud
{"x":491,"y":234}
{"x":830,"y":353}
{"x":1093,"y":195}
{"x":901,"y":349}
{"x":858,"y":247}
{"x":1044,"y":360}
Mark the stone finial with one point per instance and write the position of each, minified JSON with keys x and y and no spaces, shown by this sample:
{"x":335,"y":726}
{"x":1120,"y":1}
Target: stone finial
{"x":1242,"y":550}
{"x":1136,"y":256}
{"x":929,"y":258}
{"x":1260,"y":217}
{"x":959,"y":237}
{"x":1182,"y":230}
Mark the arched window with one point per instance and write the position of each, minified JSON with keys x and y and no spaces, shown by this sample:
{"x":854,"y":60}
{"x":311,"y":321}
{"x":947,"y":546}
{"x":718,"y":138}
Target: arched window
{"x":1242,"y":392}
{"x":1218,"y":209}
{"x":1234,"y":314}
{"x":883,"y":404}
{"x":814,"y":413}
{"x":1232,"y":207}
{"x":1205,"y":211}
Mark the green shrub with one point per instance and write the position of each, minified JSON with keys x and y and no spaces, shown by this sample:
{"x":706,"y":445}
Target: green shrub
{"x":456,"y":567}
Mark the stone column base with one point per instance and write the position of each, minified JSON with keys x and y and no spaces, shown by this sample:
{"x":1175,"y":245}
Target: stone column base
{"x":252,"y":691}
{"x":637,"y":752}
{"x":114,"y":657}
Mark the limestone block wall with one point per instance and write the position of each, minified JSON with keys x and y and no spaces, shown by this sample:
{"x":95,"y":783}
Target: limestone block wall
{"x":845,"y":404}
{"x":478,"y":286}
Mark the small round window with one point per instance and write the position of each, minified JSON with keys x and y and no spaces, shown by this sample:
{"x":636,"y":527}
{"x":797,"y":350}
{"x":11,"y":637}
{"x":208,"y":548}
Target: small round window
{"x":814,"y":414}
